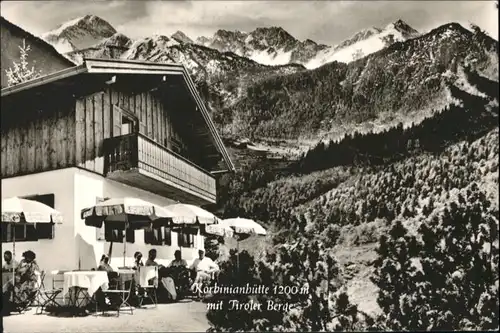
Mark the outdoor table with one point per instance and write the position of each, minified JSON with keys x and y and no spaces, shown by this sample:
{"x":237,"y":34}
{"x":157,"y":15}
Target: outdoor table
{"x":125,"y":275}
{"x":84,"y":284}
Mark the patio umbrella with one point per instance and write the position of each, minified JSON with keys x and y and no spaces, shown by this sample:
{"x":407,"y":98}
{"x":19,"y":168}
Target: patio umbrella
{"x":190,"y":216}
{"x":217,"y":230}
{"x":24,"y":211}
{"x":243,"y":228}
{"x":130,"y":212}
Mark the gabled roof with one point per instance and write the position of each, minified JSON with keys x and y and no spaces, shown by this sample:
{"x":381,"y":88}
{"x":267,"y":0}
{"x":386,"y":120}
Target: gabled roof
{"x":37,"y":40}
{"x":129,"y":67}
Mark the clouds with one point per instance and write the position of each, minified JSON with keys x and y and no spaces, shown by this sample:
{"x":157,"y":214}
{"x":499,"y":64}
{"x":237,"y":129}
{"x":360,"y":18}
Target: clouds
{"x":323,"y":21}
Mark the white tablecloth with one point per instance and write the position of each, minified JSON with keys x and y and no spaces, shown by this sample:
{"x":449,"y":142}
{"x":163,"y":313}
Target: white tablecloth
{"x":91,"y":280}
{"x":147,"y":273}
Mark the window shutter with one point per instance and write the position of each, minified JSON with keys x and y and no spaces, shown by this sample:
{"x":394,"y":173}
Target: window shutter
{"x":168,"y":236}
{"x":130,"y":236}
{"x":180,"y":240}
{"x":6,"y":232}
{"x":158,"y":237}
{"x":117,"y":121}
{"x":148,"y":236}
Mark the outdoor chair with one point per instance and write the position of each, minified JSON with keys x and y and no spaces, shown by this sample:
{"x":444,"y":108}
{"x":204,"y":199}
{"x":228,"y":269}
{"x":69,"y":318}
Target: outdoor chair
{"x":150,"y":286}
{"x":46,"y":297}
{"x":119,"y":293}
{"x":22,"y":306}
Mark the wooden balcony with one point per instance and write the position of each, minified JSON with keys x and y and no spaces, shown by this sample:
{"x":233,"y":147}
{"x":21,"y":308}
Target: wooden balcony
{"x":138,"y":161}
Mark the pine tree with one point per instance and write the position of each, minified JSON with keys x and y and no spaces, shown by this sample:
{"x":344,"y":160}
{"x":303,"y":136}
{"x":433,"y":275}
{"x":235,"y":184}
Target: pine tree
{"x":21,"y":71}
{"x":447,"y":280}
{"x":313,"y":275}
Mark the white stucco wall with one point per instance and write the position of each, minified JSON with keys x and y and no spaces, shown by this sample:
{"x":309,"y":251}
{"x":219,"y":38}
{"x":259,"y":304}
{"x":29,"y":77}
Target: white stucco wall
{"x":59,"y":252}
{"x":75,"y":245}
{"x":88,"y":187}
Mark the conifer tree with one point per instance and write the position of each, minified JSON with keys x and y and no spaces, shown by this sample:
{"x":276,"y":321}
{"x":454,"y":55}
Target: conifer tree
{"x":448,"y":279}
{"x":22,"y":71}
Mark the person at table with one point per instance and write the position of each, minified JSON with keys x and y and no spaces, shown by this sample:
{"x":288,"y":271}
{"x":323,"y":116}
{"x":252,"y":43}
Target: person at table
{"x":179,"y":272}
{"x":203,"y":267}
{"x":104,"y":264}
{"x":9,"y":263}
{"x":165,"y":281}
{"x":151,"y":258}
{"x":19,"y":293}
{"x":178,"y":261}
{"x":138,"y":260}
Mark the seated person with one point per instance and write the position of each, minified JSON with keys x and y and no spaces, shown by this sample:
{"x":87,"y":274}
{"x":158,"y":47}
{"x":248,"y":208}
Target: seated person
{"x":151,"y":262}
{"x":166,"y":282}
{"x":179,"y":272}
{"x":19,"y":293}
{"x":104,"y":264}
{"x":112,"y":277}
{"x":9,"y":263}
{"x":204,"y":267}
{"x":138,"y":260}
{"x":178,"y":261}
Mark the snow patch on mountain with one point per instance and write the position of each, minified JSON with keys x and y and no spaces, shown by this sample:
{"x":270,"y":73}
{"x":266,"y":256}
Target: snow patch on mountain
{"x":364,"y":43}
{"x":271,"y":58}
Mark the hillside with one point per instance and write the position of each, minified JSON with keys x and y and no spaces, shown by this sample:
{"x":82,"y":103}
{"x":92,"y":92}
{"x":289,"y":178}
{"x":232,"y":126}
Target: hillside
{"x":402,"y":83}
{"x":348,"y":204}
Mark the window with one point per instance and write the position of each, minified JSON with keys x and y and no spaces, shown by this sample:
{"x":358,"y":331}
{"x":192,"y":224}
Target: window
{"x":185,"y":239}
{"x":27,"y":232}
{"x":47,"y":199}
{"x":30,"y":232}
{"x":158,"y":236}
{"x":124,"y":122}
{"x":114,"y":233}
{"x":127,"y":125}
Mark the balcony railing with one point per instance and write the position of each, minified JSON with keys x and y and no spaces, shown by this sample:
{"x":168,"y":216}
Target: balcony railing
{"x":136,"y":154}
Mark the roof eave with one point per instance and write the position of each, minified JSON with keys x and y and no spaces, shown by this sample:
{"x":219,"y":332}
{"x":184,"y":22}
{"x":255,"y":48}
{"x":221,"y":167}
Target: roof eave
{"x":209,"y":121}
{"x":62,"y":74}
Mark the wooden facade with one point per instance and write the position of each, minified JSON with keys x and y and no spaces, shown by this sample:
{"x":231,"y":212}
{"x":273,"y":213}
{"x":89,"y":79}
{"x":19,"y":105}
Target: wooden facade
{"x":37,"y":139}
{"x":142,"y":137}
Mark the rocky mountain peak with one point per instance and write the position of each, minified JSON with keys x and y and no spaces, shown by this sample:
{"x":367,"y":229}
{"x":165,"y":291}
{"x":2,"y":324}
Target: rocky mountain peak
{"x":79,"y":33}
{"x":118,"y":39}
{"x":401,"y":26}
{"x":181,"y":37}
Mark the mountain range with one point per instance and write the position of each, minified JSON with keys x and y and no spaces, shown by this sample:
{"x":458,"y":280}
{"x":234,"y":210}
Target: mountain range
{"x":267,"y":84}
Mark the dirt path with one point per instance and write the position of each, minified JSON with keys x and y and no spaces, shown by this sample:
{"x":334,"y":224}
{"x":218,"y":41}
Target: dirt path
{"x":178,"y":317}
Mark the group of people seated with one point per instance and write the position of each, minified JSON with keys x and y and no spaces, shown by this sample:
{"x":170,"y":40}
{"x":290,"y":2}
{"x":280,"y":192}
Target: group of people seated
{"x":19,"y":290}
{"x":174,"y":280}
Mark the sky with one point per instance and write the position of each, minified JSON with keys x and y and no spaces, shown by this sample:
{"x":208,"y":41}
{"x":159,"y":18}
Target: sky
{"x":327,"y":22}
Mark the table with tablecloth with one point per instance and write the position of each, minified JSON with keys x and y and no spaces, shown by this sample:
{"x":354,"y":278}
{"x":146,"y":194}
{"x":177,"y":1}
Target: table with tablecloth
{"x":80,"y":286}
